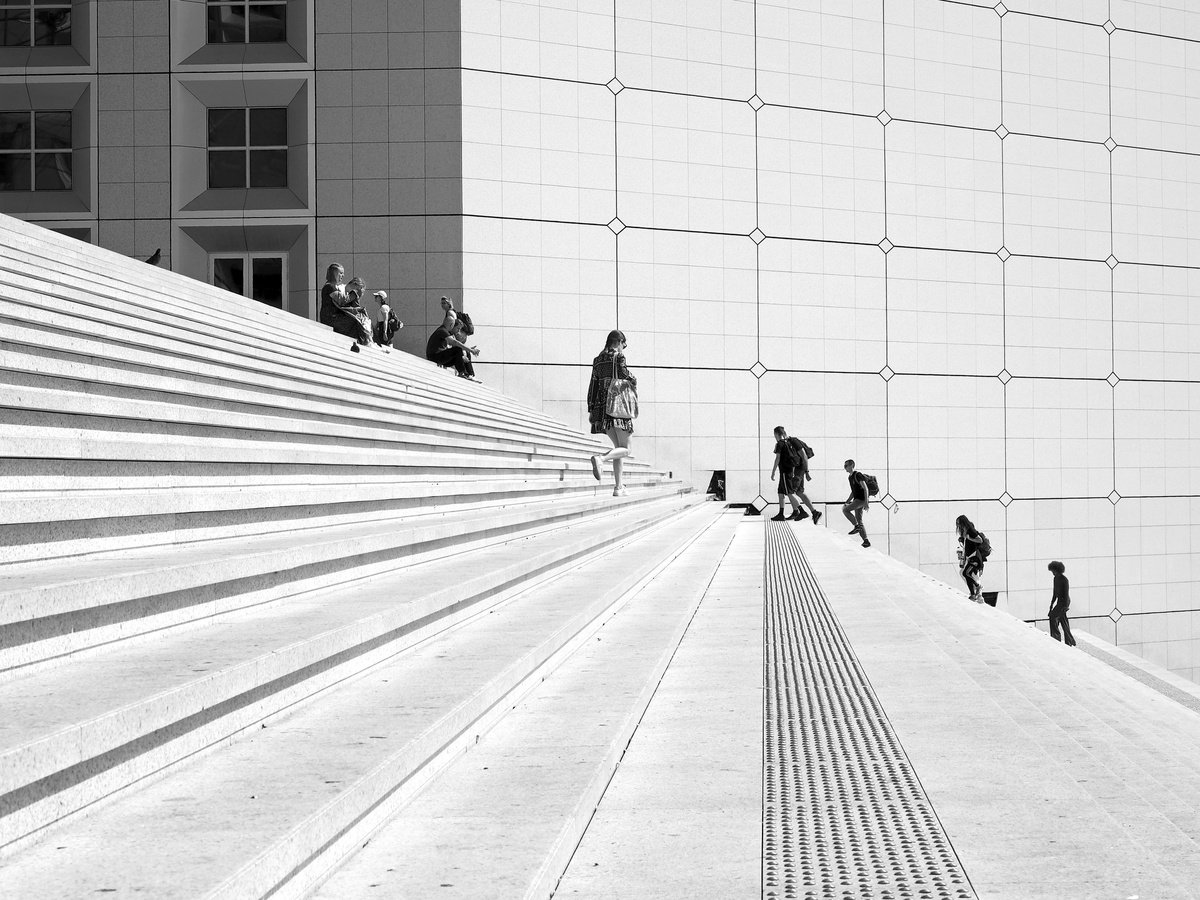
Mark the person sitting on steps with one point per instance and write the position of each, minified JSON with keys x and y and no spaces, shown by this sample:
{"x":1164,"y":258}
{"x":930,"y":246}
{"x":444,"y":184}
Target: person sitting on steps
{"x":446,"y":350}
{"x":337,"y":309}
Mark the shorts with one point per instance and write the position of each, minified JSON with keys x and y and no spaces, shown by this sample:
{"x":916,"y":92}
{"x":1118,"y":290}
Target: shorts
{"x":790,"y":483}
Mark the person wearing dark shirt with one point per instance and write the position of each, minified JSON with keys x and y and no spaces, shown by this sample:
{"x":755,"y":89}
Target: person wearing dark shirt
{"x":461,"y":333}
{"x":858,"y":502}
{"x":338,"y":312}
{"x":609,"y":366}
{"x":970,"y":557}
{"x":447,"y":350}
{"x":792,"y":463}
{"x":1060,"y":602}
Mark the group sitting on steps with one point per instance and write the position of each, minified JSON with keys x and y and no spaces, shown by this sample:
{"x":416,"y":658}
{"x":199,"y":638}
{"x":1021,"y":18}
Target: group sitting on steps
{"x":342,"y":309}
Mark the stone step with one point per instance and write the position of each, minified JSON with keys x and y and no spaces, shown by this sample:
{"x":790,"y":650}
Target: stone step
{"x":287,"y":798}
{"x":52,"y":504}
{"x":176,"y":314}
{"x":55,"y":608}
{"x":136,"y":522}
{"x":103,"y":355}
{"x":39,"y":382}
{"x":558,"y":750}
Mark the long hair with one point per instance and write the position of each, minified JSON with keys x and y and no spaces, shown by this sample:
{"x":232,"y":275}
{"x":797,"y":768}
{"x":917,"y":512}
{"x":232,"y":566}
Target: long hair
{"x":963,"y":525}
{"x":615,"y":340}
{"x":331,"y":273}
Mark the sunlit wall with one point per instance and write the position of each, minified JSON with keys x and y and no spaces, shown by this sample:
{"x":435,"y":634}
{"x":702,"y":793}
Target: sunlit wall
{"x":955,"y":241}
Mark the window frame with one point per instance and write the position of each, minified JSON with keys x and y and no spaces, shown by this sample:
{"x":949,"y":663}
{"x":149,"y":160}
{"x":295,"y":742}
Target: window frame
{"x":245,"y":6}
{"x":248,"y":148}
{"x":32,"y":152}
{"x":247,"y":258}
{"x":33,"y":6}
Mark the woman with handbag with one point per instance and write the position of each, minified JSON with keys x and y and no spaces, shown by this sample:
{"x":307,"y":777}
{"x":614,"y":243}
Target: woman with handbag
{"x":612,"y":406}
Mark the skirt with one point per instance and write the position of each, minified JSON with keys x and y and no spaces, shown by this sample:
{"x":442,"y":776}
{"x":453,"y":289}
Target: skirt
{"x":602,"y":423}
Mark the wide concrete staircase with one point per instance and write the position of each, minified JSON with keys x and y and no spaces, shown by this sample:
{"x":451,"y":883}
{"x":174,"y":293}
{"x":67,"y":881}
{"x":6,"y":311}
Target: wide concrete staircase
{"x":256,"y":589}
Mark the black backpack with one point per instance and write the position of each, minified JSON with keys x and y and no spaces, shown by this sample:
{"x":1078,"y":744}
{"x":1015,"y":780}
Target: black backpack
{"x":808,"y":451}
{"x":985,"y":546}
{"x":872,"y":484}
{"x":790,"y":456}
{"x":468,"y":326}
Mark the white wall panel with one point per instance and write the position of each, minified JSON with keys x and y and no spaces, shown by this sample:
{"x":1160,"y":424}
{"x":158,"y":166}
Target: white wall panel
{"x":703,"y":47}
{"x":944,"y":188}
{"x":570,"y":39}
{"x":1058,"y":317}
{"x":958,"y":242}
{"x":943,"y":63}
{"x":1055,"y":78}
{"x":821,"y":306}
{"x":945,"y":312}
{"x":685,"y":162}
{"x":821,"y":54}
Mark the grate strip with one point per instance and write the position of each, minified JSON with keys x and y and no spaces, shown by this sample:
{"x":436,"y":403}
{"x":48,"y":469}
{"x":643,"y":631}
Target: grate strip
{"x":844,"y":815}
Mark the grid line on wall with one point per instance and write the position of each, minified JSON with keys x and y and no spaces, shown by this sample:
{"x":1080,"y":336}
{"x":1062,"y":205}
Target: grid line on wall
{"x":1025,"y":258}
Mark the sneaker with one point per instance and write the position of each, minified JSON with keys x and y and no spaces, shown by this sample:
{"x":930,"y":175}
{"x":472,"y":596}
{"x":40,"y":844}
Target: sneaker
{"x":799,"y":515}
{"x":854,"y":530}
{"x":866,"y":543}
{"x":816,"y":517}
{"x":780,"y":517}
{"x":596,"y":467}
{"x":619,"y":492}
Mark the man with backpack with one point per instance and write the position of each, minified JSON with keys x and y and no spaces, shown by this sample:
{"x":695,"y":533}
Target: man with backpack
{"x":862,"y":486}
{"x":388,"y":324}
{"x":791,"y":459}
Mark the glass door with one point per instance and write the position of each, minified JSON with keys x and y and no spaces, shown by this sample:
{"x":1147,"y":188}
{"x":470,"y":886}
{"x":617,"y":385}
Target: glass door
{"x":259,"y":276}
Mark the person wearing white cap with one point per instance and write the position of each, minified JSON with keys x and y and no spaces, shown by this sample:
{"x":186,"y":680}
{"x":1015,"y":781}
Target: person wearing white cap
{"x":388,"y":324}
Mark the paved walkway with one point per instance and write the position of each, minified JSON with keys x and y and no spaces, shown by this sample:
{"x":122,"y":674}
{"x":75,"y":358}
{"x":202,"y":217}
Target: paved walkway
{"x":774,"y":712}
{"x":1047,"y":772}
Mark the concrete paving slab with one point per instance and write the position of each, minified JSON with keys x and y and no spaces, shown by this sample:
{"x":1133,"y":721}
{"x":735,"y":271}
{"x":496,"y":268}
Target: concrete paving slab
{"x":312,"y":770}
{"x":1067,"y":806}
{"x":507,"y":778}
{"x":682,"y":817}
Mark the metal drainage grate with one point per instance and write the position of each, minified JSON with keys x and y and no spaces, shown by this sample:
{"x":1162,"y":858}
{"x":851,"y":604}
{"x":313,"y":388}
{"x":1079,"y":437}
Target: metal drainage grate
{"x":844,"y":815}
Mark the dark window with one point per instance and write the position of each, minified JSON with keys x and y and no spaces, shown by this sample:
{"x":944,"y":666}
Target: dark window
{"x":259,"y":277}
{"x":35,"y":150}
{"x":247,"y":21}
{"x":247,"y":148}
{"x":35,"y":23}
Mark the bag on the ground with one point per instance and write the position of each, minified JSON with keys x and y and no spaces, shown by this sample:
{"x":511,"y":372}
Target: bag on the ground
{"x":621,"y":402}
{"x":872,"y":485}
{"x":985,"y":546}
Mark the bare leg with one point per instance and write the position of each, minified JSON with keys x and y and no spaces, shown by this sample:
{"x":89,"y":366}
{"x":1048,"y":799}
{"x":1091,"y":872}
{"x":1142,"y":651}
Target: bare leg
{"x":618,"y":453}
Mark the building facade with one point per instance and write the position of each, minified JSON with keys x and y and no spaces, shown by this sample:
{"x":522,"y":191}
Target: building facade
{"x":955,"y":241}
